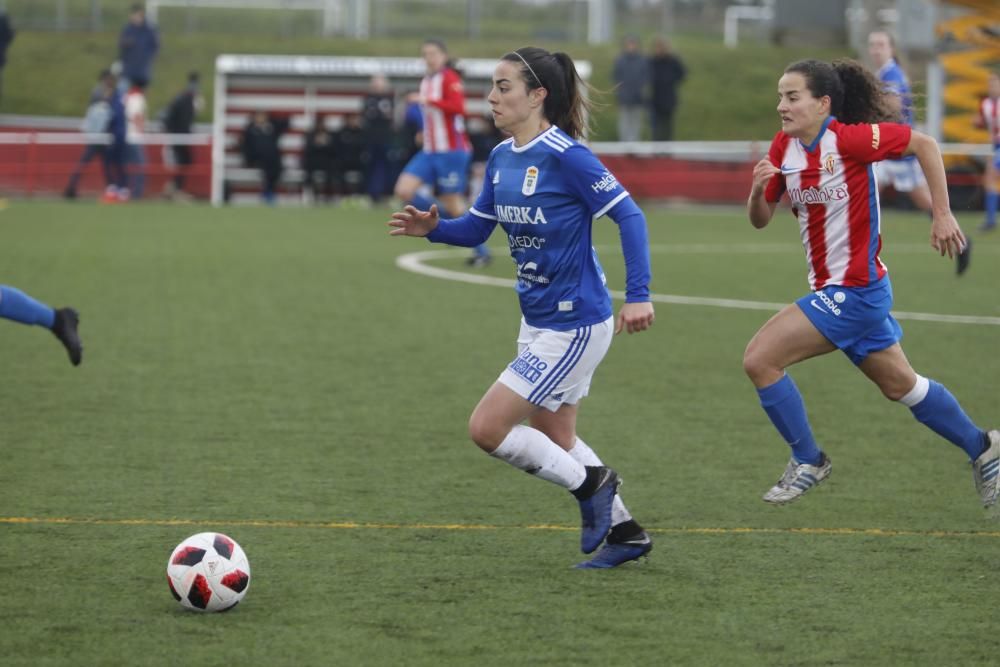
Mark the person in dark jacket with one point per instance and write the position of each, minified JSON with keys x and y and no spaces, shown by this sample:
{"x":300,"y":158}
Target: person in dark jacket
{"x":631,"y":75}
{"x":178,"y":118}
{"x":261,"y":150}
{"x":666,"y":71}
{"x":138,"y":45}
{"x":6,"y":37}
{"x":351,"y":157}
{"x":319,"y":162}
{"x":378,"y":113}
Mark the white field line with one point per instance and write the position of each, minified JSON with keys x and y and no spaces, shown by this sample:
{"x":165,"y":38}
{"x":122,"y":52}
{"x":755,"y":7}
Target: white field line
{"x":416,"y":262}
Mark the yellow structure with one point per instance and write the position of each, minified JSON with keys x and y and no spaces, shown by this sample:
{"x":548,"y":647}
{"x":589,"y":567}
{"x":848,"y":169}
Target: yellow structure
{"x":966,"y":70}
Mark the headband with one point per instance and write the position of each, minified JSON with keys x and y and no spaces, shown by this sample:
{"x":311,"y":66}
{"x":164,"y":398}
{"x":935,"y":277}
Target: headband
{"x":529,"y":67}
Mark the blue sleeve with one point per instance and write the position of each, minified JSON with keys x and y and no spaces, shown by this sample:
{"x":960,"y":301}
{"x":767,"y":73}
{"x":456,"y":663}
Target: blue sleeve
{"x":591,"y":181}
{"x":635,"y":246}
{"x":468,"y":231}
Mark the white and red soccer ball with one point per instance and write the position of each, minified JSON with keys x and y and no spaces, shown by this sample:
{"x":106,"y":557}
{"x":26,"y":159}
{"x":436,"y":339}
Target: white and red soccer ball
{"x":208,"y":572}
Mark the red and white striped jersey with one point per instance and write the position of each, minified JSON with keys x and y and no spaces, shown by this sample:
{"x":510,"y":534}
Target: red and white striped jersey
{"x":834,"y":194}
{"x":989,"y":116}
{"x":444,"y":112}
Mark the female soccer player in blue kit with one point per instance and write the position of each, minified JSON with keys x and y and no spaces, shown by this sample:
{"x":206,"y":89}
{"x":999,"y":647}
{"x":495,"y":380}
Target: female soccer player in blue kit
{"x":17,"y":306}
{"x":545,"y":189}
{"x":832,"y":129}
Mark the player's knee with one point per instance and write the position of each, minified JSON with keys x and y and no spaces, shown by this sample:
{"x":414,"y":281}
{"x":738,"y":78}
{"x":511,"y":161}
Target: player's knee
{"x":895,"y":388}
{"x":754,"y":364}
{"x":484,"y":432}
{"x":404,"y":192}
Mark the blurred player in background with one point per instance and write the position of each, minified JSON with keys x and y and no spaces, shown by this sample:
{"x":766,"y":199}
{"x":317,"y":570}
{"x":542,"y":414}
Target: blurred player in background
{"x":17,"y":306}
{"x":989,"y":118}
{"x":442,"y":165}
{"x":545,"y":190}
{"x":904,"y":175}
{"x":832,"y":130}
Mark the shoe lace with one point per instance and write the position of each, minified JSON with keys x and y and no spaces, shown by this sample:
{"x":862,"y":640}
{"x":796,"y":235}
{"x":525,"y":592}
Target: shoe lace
{"x":791,"y":472}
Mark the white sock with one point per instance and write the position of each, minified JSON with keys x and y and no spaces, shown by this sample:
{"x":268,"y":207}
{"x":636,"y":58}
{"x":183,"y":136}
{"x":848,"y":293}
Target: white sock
{"x":584,"y":454}
{"x":530,"y":450}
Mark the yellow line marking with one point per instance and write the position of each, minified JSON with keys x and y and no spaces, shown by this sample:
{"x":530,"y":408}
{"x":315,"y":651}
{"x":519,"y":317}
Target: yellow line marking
{"x":353,"y":525}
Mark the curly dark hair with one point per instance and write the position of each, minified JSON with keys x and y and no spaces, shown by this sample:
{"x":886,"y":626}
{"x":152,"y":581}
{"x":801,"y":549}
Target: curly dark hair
{"x":856,"y":96}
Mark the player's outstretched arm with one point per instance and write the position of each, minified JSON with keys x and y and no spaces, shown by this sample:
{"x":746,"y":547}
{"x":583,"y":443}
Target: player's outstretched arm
{"x":413,"y":222}
{"x":946,"y":236}
{"x":759,"y":210}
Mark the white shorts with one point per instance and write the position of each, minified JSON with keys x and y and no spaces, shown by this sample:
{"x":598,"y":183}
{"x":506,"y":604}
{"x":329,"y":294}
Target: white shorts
{"x":903,"y":175}
{"x":555,"y":367}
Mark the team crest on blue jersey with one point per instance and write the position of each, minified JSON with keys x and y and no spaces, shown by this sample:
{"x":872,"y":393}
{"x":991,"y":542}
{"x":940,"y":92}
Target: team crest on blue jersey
{"x":828,"y":163}
{"x":530,"y":181}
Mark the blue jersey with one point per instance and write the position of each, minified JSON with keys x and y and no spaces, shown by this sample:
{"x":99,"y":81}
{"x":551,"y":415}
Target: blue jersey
{"x":545,"y":195}
{"x":894,"y":80}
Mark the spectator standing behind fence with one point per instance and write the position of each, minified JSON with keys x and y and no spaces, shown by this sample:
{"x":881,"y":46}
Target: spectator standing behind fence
{"x":178,"y":118}
{"x":261,"y":151}
{"x":138,"y":45}
{"x":6,"y":37}
{"x":378,"y":112}
{"x":135,"y":133}
{"x":631,"y":74}
{"x":319,"y":163}
{"x":666,"y":71}
{"x":95,"y":121}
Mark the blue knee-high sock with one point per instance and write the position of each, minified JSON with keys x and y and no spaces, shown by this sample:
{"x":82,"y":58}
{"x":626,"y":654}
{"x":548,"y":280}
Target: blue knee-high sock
{"x":482,"y":250}
{"x":992,"y":198}
{"x":940,"y":412}
{"x":783,"y":404}
{"x":18,"y":306}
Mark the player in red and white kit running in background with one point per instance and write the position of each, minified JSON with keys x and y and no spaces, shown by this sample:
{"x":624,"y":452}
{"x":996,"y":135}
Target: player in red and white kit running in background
{"x":989,"y":119}
{"x":441,"y":167}
{"x":832,"y":130}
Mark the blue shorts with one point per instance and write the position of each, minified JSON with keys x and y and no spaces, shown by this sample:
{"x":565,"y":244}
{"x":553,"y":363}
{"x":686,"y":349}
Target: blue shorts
{"x":446,"y":172}
{"x":855,"y":319}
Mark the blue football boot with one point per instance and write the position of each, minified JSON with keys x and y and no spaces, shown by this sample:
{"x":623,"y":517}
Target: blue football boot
{"x":613,"y":554}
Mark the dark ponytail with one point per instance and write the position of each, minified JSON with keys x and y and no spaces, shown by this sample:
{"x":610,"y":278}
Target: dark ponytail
{"x":856,"y":96}
{"x":567,"y":104}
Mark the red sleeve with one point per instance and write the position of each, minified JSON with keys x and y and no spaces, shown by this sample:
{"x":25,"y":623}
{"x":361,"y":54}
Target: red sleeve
{"x":873,"y":142}
{"x":452,"y":98}
{"x":776,"y":186}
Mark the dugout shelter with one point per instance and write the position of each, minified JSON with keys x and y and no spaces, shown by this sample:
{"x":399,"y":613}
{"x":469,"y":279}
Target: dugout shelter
{"x":303,"y":88}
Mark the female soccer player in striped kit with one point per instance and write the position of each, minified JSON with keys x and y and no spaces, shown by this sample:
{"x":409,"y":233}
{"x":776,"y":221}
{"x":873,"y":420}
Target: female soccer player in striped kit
{"x":545,"y":190}
{"x":442,"y":165}
{"x":832,"y":130}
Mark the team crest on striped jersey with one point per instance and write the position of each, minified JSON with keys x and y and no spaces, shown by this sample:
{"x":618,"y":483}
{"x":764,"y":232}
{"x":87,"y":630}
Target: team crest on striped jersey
{"x":530,"y":181}
{"x":828,"y":162}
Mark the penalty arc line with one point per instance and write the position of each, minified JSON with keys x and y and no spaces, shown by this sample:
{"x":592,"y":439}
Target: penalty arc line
{"x":353,"y":525}
{"x":415,"y":262}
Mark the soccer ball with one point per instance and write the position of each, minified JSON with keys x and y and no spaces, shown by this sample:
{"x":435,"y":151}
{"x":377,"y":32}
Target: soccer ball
{"x":208,"y":572}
